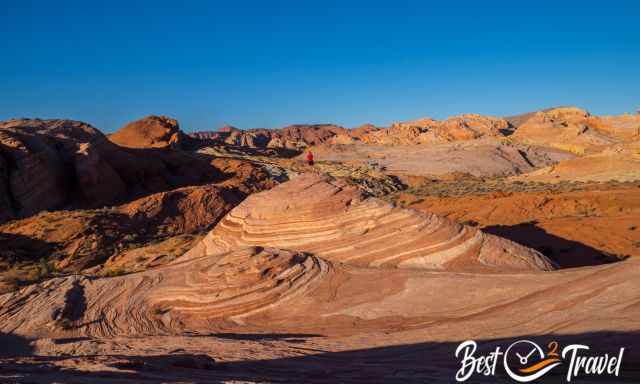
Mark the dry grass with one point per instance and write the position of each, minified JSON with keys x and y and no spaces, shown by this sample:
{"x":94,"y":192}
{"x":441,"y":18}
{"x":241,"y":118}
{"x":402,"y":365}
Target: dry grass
{"x":477,"y":186}
{"x":575,"y":149}
{"x":113,"y":272}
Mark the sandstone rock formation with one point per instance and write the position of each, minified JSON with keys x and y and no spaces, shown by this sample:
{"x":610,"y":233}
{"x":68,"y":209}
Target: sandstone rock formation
{"x":576,"y":130}
{"x":35,"y":154}
{"x":620,"y":162}
{"x":97,"y":180}
{"x":344,"y":323}
{"x":422,"y":131}
{"x":574,"y":225}
{"x":51,"y":164}
{"x":427,"y":131}
{"x":567,"y":128}
{"x":145,"y":232}
{"x":262,"y":289}
{"x":295,"y":137}
{"x":483,"y":157}
{"x":315,"y":281}
{"x":6,"y":208}
{"x":74,"y":240}
{"x":334,"y":221}
{"x":149,"y":132}
{"x":363,"y":131}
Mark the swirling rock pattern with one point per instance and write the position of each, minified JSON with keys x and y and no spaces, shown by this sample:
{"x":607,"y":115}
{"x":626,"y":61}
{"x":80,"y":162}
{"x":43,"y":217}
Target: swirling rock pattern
{"x":336,"y":222}
{"x":193,"y":295}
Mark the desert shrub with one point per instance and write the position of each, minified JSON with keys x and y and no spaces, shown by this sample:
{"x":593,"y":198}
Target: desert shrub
{"x":44,"y":268}
{"x":65,"y":323}
{"x":575,"y":149}
{"x":113,"y":272}
{"x":13,"y":282}
{"x":129,"y":238}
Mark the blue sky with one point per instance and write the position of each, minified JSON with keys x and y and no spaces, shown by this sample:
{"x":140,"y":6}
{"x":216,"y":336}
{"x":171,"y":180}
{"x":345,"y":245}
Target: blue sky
{"x":274,"y":63}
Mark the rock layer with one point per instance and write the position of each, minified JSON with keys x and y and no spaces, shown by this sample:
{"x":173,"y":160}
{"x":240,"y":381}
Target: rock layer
{"x":576,"y":130}
{"x":294,"y":137}
{"x":181,"y":297}
{"x":270,"y":289}
{"x":430,"y":131}
{"x":149,"y":132}
{"x":485,"y":157}
{"x":336,"y":222}
{"x":51,"y":164}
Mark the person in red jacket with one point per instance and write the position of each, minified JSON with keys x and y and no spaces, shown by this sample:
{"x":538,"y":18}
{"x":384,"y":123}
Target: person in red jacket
{"x":309,"y":158}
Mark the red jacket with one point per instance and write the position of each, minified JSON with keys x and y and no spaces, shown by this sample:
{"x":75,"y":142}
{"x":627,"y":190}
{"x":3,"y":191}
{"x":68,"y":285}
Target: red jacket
{"x":309,"y":156}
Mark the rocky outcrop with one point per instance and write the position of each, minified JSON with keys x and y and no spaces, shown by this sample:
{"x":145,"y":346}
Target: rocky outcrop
{"x":576,"y":130}
{"x":619,"y":162}
{"x":183,"y":210}
{"x":426,"y":131}
{"x":483,"y":157}
{"x":150,"y":132}
{"x":247,"y":176}
{"x":34,"y":169}
{"x":233,"y":286}
{"x":363,"y":131}
{"x":566,"y":128}
{"x":6,"y":207}
{"x":275,"y":290}
{"x":50,"y":164}
{"x":97,"y":180}
{"x":336,"y":222}
{"x":422,"y":131}
{"x":294,"y":137}
{"x":74,"y":240}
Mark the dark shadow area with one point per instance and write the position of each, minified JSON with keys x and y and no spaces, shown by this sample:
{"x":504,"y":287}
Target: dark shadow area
{"x":13,"y":345}
{"x":16,"y":248}
{"x":290,"y":337}
{"x":567,"y":253}
{"x":75,"y":303}
{"x":525,"y":158}
{"x":428,"y":362}
{"x":507,"y":131}
{"x":433,"y":362}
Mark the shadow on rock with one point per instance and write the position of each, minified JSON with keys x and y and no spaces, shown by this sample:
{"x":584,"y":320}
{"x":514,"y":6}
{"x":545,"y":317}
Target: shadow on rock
{"x":16,"y":248}
{"x":290,"y":337}
{"x":428,"y":362}
{"x":12,"y":345}
{"x":567,"y":253}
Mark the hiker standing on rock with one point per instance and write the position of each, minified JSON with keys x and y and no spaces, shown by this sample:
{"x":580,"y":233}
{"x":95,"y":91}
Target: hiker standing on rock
{"x":309,"y":158}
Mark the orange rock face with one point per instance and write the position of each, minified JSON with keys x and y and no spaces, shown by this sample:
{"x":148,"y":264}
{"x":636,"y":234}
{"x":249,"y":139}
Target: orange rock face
{"x":424,"y":131}
{"x":575,"y":130}
{"x":149,"y":132}
{"x":294,"y":137}
{"x":35,"y":154}
{"x":573,"y":228}
{"x":50,"y":164}
{"x":75,"y":240}
{"x":619,"y":162}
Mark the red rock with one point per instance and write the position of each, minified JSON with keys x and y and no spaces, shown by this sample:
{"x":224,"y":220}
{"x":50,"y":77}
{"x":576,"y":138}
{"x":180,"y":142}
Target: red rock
{"x":149,"y":132}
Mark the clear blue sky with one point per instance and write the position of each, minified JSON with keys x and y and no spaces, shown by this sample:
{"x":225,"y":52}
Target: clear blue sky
{"x":273,"y":63}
